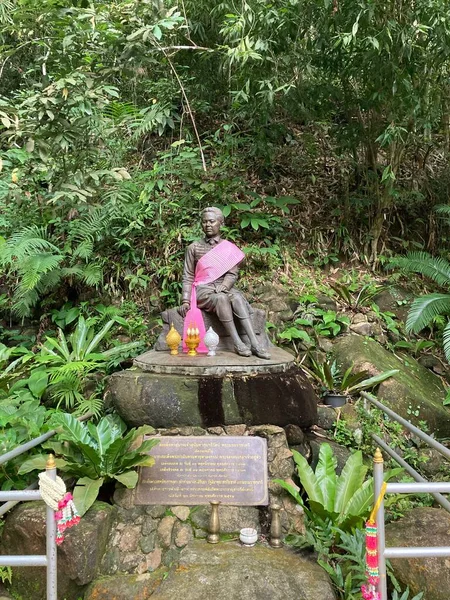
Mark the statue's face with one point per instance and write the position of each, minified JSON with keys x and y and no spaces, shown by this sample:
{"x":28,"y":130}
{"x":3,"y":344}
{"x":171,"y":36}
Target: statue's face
{"x":211,"y":224}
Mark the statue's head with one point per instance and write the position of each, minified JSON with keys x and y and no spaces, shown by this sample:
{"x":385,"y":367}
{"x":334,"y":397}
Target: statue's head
{"x":214,"y":210}
{"x":212,"y":220}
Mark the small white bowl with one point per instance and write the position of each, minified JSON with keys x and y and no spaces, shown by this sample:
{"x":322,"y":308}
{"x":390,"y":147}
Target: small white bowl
{"x":248,"y":536}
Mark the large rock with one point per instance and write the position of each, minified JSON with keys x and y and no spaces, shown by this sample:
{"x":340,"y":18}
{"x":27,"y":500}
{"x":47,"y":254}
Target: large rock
{"x":79,"y":555}
{"x":414,"y":393}
{"x":125,"y":587}
{"x":229,"y":571}
{"x":422,"y":527}
{"x":394,"y":299}
{"x":253,"y":397}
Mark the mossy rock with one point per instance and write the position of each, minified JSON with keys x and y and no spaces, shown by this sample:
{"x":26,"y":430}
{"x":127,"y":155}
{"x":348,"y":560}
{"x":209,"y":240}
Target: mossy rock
{"x":422,"y":527}
{"x":414,"y":392}
{"x":79,"y":555}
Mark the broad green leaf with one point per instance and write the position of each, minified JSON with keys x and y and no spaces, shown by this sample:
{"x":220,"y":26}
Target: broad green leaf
{"x":64,"y":345}
{"x":308,"y":478}
{"x":85,"y":493}
{"x":360,"y":504}
{"x":91,"y":457}
{"x":350,"y":480}
{"x":128,"y":479}
{"x":113,"y":455}
{"x":372,"y":381}
{"x":134,"y":459}
{"x":99,"y":337}
{"x":78,"y":338}
{"x":38,"y":463}
{"x":55,"y":344}
{"x":291,"y":489}
{"x":37,"y":382}
{"x":157,"y":32}
{"x":326,"y":475}
{"x":142,"y":431}
{"x":102,"y":434}
{"x":72,"y":429}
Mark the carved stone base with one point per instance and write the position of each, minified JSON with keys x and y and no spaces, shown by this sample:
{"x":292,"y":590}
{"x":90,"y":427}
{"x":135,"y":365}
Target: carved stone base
{"x":249,"y":392}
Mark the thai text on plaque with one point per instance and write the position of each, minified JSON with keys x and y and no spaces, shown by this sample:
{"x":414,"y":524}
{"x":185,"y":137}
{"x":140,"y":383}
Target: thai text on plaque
{"x":200,"y":469}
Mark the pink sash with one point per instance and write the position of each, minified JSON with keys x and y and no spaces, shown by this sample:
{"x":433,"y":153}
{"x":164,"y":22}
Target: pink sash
{"x":215,"y":263}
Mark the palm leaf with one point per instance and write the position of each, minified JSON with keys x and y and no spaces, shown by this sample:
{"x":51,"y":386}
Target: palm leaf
{"x":424,"y":309}
{"x":446,"y":340}
{"x":443,"y":209}
{"x":437,"y":269}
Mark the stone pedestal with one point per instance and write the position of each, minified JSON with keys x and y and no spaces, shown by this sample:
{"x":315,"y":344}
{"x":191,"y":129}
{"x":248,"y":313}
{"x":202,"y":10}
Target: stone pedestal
{"x":227,"y":389}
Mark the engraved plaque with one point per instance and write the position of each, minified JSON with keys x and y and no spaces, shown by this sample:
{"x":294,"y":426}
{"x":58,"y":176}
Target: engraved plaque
{"x":200,"y":469}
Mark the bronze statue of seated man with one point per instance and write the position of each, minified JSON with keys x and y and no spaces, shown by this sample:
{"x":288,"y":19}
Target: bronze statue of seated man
{"x":211,"y":268}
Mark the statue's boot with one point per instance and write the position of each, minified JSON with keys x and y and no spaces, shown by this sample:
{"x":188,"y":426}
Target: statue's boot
{"x":242,"y":349}
{"x":239,"y":347}
{"x":260,"y":352}
{"x":256,"y":348}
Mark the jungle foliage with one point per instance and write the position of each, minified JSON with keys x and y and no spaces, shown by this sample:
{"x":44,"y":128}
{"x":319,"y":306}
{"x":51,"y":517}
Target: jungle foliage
{"x":320,"y":121}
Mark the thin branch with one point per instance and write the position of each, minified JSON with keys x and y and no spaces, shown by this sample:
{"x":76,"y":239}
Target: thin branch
{"x":169,"y":48}
{"x":188,"y":106}
{"x":18,"y":48}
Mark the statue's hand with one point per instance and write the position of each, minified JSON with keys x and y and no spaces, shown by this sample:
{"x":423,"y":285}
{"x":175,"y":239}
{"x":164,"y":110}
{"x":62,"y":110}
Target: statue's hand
{"x":183,"y":309}
{"x":222,"y":288}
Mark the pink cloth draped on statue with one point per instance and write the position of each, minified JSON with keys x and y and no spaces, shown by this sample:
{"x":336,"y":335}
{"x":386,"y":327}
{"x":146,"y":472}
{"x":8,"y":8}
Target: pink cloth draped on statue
{"x":210,"y":267}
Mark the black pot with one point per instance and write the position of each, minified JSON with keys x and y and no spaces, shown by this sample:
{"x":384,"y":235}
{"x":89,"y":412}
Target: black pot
{"x":335,"y":400}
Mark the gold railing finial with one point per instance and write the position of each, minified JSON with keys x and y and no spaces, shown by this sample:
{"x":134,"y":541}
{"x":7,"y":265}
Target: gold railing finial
{"x":378,"y":457}
{"x":50,"y":464}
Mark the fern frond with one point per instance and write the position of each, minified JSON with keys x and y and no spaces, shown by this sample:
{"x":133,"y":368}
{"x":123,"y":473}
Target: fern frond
{"x":93,"y":405}
{"x":24,"y":243}
{"x":123,"y":194}
{"x":71,"y":369}
{"x":437,"y":269}
{"x":93,"y":274}
{"x":424,"y":309}
{"x":22,"y":304}
{"x":443,"y":209}
{"x":120,"y":111}
{"x":84,"y":250}
{"x":74,"y":271}
{"x":158,"y":118}
{"x":34,"y":267}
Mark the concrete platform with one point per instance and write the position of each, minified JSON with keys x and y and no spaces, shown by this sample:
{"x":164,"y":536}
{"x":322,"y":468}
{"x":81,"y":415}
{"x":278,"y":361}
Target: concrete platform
{"x":223,"y":363}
